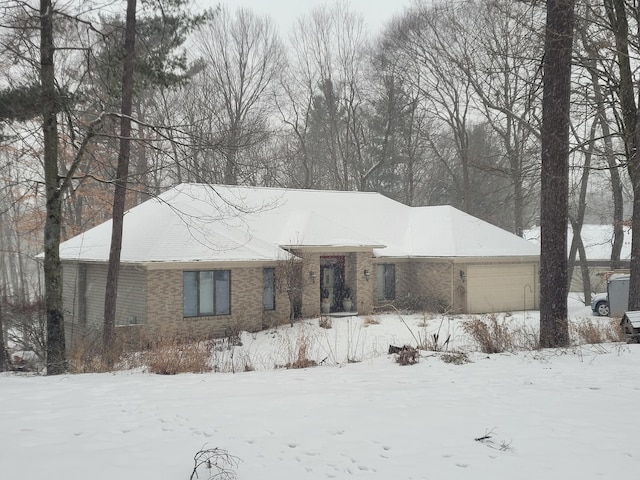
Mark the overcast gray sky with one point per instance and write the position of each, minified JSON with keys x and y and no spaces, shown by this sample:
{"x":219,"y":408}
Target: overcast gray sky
{"x":376,"y":12}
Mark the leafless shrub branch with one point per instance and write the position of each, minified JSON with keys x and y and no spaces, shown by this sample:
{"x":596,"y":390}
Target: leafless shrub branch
{"x":491,"y":335}
{"x":219,"y":464}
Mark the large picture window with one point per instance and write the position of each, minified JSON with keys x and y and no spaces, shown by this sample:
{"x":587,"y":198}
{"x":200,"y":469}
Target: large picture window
{"x":386,"y":281}
{"x":206,"y":293}
{"x":269,"y":288}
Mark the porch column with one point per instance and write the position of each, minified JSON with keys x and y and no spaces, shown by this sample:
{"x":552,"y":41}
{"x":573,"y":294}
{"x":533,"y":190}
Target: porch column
{"x":311,"y":282}
{"x":365,"y":285}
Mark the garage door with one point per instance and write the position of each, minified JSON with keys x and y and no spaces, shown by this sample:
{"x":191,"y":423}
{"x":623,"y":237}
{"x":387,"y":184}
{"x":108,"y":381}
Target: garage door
{"x":500,"y":288}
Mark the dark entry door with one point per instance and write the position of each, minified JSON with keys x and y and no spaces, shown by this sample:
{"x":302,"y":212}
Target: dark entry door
{"x":331,"y":283}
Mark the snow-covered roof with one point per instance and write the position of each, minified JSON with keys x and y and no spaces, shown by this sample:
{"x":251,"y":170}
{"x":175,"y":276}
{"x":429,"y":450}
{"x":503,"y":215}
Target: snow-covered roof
{"x":597,"y":239}
{"x":198,"y":222}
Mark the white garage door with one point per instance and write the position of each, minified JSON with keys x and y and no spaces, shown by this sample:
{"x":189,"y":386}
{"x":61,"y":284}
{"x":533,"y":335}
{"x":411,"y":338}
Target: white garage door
{"x":500,"y":288}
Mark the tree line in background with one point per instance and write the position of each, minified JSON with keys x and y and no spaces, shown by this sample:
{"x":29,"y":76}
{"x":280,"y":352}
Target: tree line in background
{"x":443,"y":106}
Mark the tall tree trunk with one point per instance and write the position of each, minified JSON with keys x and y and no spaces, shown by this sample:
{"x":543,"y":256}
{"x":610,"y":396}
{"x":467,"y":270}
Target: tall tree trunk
{"x":56,"y":362}
{"x":554,"y":326}
{"x":119,"y":196}
{"x":4,"y":358}
{"x":634,"y":173}
{"x":617,"y":14}
{"x":616,"y":183}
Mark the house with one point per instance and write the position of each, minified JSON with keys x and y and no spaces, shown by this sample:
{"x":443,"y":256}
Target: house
{"x":206,"y":260}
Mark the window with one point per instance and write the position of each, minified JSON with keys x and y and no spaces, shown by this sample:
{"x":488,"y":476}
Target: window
{"x":386,"y":281}
{"x":206,"y":293}
{"x":268,"y":288}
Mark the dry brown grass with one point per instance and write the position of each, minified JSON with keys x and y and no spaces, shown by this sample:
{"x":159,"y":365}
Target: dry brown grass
{"x":86,"y":356}
{"x":587,"y":331}
{"x":301,"y":359}
{"x":171,"y":355}
{"x":325,"y":322}
{"x":298,"y":350}
{"x":491,"y":335}
{"x":525,"y":337}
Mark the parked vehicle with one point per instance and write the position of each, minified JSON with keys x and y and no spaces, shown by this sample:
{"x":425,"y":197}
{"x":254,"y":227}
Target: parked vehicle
{"x":600,"y":304}
{"x":615,"y":301}
{"x":618,"y":294}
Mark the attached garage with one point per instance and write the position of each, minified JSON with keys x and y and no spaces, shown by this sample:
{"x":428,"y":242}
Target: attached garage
{"x":501,"y":287}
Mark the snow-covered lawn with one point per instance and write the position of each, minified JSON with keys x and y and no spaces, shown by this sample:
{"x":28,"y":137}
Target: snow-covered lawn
{"x":569,"y":414}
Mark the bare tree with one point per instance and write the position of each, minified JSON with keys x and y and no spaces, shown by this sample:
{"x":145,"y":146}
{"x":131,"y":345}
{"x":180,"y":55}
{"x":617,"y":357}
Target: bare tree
{"x":4,"y":358}
{"x":554,"y":325}
{"x":618,"y":23}
{"x":289,"y":279}
{"x":241,"y":59}
{"x":397,"y":124}
{"x":326,"y":105}
{"x":56,"y":361}
{"x":598,"y":59}
{"x":503,"y":66}
{"x":445,"y":91}
{"x":108,"y":333}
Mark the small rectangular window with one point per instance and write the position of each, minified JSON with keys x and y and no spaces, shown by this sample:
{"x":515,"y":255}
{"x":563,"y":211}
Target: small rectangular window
{"x":190,"y":293}
{"x":268,"y":288}
{"x":386,"y":281}
{"x":223,"y":292}
{"x":206,"y":293}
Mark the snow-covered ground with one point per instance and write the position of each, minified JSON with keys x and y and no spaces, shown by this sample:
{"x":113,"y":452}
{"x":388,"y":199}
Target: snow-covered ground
{"x":566,"y":414}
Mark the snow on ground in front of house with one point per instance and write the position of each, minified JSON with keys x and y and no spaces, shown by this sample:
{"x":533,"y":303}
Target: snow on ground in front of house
{"x":565,"y":414}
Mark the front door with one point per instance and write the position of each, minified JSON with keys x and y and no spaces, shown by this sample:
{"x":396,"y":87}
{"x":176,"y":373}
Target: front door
{"x":331,"y":280}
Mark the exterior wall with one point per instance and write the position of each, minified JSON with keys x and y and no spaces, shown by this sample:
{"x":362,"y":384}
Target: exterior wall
{"x":421,"y":284}
{"x":362,"y":286}
{"x":165,"y":306}
{"x":83,"y":299}
{"x":438,"y":285}
{"x":441,"y":284}
{"x":150,"y":303}
{"x":130,"y":306}
{"x":311,"y":281}
{"x":74,"y":318}
{"x":281,"y":314}
{"x":405,"y":278}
